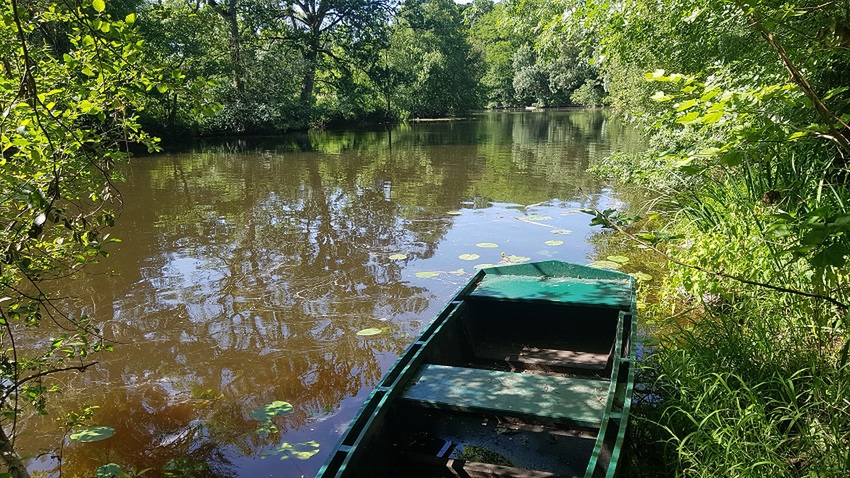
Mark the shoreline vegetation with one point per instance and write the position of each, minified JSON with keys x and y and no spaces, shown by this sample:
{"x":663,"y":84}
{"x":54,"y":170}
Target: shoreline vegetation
{"x":746,"y":105}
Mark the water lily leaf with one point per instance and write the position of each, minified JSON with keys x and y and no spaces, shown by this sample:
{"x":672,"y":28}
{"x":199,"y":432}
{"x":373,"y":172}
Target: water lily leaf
{"x":517,"y":259}
{"x":554,"y":243}
{"x":369,"y":331}
{"x":454,"y":213}
{"x":642,"y":276}
{"x":427,"y":275}
{"x":301,"y":451}
{"x":537,"y":217}
{"x":93,"y":434}
{"x":604,"y":265}
{"x":468,"y":257}
{"x":109,"y":470}
{"x":398,"y":257}
{"x":618,"y":259}
{"x":561,"y":231}
{"x":487,"y":245}
{"x":482,"y":266}
{"x":274,"y":409}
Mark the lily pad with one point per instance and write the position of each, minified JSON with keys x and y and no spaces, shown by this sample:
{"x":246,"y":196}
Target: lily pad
{"x":427,"y":275}
{"x":487,"y":245}
{"x":517,"y":259}
{"x":369,"y":331}
{"x":93,"y":434}
{"x":454,"y":213}
{"x":561,"y":231}
{"x":275,"y":409}
{"x":301,"y":451}
{"x":482,"y":266}
{"x":554,"y":243}
{"x":468,"y":257}
{"x":398,"y":257}
{"x":618,"y":259}
{"x":604,"y":265}
{"x":642,"y":276}
{"x":109,"y":470}
{"x":538,"y":217}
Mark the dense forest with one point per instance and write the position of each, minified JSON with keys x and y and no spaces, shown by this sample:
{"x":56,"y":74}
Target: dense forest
{"x":746,"y":104}
{"x":274,"y":66}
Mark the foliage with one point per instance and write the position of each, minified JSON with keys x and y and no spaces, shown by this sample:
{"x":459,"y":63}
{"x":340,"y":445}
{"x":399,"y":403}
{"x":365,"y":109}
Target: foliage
{"x":73,"y":79}
{"x":439,"y":71}
{"x":749,"y":151}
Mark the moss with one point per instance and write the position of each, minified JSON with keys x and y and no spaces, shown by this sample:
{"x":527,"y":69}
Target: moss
{"x":481,"y":454}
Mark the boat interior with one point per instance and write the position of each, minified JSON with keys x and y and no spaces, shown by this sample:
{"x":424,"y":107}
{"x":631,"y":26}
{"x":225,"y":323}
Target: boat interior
{"x":501,"y":387}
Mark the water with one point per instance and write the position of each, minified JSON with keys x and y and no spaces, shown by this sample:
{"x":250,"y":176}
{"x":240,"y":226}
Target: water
{"x":247,"y":267}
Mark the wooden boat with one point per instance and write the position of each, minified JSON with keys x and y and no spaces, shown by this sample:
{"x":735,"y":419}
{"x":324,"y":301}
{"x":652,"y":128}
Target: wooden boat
{"x":527,"y":372}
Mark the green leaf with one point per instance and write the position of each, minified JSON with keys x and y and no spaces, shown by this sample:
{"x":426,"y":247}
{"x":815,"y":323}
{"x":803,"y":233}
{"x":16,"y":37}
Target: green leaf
{"x":561,"y":231}
{"x":712,"y":117}
{"x":454,"y":213}
{"x":301,"y":451}
{"x":468,"y":257}
{"x":482,"y":266}
{"x":427,"y":275}
{"x":93,"y":434}
{"x":369,"y":331}
{"x":275,"y":409}
{"x":98,"y":5}
{"x":398,"y":257}
{"x":537,"y":217}
{"x":604,"y":265}
{"x":618,"y":259}
{"x":130,"y":19}
{"x":686,"y":104}
{"x":554,"y":243}
{"x":109,"y":470}
{"x":517,"y":259}
{"x":660,"y":96}
{"x":641,"y":276}
{"x":689,"y":118}
{"x":487,"y":245}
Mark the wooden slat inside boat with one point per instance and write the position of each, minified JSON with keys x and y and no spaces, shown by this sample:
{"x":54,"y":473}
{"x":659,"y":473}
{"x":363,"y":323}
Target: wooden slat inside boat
{"x":528,"y":372}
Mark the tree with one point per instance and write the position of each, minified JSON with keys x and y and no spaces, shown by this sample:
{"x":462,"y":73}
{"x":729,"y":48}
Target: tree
{"x":71,"y":82}
{"x":440,"y":71}
{"x":331,"y":29}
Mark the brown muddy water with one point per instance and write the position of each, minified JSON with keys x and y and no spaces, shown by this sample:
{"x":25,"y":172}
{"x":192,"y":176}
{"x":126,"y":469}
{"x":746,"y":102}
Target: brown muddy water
{"x":248,"y":267}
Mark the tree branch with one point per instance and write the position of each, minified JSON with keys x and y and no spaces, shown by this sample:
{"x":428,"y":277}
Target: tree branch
{"x":831,"y":300}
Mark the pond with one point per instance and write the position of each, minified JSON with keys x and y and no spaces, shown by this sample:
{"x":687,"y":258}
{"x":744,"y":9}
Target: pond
{"x":247,"y":267}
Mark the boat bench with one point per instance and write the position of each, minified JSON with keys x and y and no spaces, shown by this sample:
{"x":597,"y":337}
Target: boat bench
{"x":579,"y":401}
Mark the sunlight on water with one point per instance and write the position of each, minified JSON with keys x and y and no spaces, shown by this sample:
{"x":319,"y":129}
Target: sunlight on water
{"x":248,"y":267}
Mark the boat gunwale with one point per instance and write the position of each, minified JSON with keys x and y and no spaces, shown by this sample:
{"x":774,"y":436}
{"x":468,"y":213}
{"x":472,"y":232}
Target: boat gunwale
{"x":409,"y":362}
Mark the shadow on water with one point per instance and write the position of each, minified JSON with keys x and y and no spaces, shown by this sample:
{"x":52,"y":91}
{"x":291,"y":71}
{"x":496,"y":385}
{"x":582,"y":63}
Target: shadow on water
{"x":246,"y":268}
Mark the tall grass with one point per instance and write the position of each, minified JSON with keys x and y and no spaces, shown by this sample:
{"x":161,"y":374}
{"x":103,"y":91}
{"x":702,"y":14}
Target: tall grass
{"x":757,"y":383}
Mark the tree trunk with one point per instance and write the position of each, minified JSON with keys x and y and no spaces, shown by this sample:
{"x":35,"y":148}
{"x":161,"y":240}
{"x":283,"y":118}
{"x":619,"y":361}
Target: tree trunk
{"x":311,"y":55}
{"x":10,"y":458}
{"x":235,"y":50}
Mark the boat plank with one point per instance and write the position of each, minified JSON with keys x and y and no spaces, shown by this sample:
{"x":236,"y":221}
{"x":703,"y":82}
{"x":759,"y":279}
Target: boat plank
{"x":543,"y":358}
{"x":474,"y":469}
{"x":577,"y":400}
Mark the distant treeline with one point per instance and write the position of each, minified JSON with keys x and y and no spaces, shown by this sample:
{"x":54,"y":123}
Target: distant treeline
{"x":261,"y":66}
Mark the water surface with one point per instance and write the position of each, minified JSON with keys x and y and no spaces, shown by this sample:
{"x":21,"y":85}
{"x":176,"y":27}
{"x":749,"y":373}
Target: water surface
{"x":247,"y":267}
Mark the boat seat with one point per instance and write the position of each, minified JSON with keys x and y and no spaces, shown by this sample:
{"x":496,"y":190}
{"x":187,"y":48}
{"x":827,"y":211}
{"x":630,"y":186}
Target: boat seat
{"x":563,"y":290}
{"x":579,"y":401}
{"x":535,"y":358}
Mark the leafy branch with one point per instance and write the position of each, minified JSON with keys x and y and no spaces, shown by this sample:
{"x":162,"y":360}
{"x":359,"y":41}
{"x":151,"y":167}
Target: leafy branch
{"x":606,"y":219}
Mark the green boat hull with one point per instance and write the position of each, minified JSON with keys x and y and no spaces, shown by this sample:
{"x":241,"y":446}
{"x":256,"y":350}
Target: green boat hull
{"x":528,"y":371}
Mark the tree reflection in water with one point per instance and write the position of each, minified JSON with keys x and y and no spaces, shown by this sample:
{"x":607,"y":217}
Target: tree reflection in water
{"x":246,"y":268}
